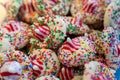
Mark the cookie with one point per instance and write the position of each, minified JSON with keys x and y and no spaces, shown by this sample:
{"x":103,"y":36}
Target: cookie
{"x":22,"y":59}
{"x":91,"y":11}
{"x":50,"y":31}
{"x":15,"y":34}
{"x":44,"y":62}
{"x":76,"y":52}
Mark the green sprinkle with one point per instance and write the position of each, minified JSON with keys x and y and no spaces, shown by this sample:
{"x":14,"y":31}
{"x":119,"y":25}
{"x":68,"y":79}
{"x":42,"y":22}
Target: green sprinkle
{"x":48,"y":45}
{"x":18,"y":1}
{"x":40,"y":1}
{"x":57,"y":38}
{"x":0,"y":44}
{"x":42,"y":7}
{"x":61,"y":34}
{"x":0,"y":32}
{"x":6,"y":37}
{"x":31,"y":26}
{"x":54,"y":23}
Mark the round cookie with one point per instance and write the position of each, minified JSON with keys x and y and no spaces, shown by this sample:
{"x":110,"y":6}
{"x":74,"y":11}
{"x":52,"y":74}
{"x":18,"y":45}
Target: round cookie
{"x":66,"y":73}
{"x":27,"y":11}
{"x":12,"y":7}
{"x":51,"y":7}
{"x":15,"y":34}
{"x":76,"y":52}
{"x":51,"y":31}
{"x":10,"y":70}
{"x":97,"y":71}
{"x":44,"y":62}
{"x":3,"y":14}
{"x":91,"y":11}
{"x":50,"y":77}
{"x":22,"y":59}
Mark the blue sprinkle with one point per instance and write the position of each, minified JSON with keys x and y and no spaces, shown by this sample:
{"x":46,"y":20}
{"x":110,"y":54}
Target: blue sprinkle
{"x":117,"y":74}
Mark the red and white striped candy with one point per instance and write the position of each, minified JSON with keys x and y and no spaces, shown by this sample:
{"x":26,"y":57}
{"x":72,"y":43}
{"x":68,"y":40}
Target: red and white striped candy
{"x":27,"y":6}
{"x":71,"y":45}
{"x":66,"y":73}
{"x":11,"y":26}
{"x":89,"y":6}
{"x":118,"y":48}
{"x":11,"y":70}
{"x":41,"y":32}
{"x":38,"y":67}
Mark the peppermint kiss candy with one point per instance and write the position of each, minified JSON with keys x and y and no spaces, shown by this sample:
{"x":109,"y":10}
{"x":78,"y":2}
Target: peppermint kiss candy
{"x":11,"y":70}
{"x":66,"y":73}
{"x":38,"y":67}
{"x":27,"y":11}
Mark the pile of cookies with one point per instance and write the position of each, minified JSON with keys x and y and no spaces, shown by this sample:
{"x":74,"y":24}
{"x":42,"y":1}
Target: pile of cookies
{"x":59,"y":39}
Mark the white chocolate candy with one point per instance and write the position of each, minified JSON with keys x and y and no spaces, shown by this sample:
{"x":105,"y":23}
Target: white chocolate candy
{"x":11,"y":70}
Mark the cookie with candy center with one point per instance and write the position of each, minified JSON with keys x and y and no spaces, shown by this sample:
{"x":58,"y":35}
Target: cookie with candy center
{"x":45,"y":62}
{"x":76,"y":52}
{"x":91,"y":11}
